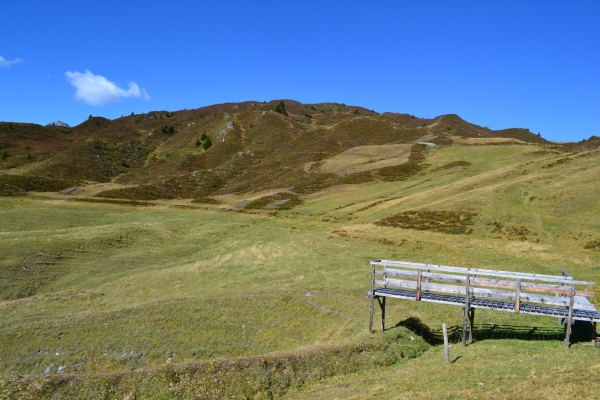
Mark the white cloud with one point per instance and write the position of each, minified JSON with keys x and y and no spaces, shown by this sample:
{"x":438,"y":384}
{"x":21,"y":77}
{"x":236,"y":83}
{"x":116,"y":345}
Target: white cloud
{"x":97,"y":90}
{"x":6,"y":63}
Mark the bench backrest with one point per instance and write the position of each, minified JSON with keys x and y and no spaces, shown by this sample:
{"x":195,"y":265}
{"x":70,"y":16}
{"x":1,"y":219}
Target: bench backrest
{"x":551,"y":290}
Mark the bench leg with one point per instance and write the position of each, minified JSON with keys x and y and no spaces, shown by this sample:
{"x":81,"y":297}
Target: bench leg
{"x":471,"y":321}
{"x":382,"y":305}
{"x":371,"y":311}
{"x":593,"y":333}
{"x":464,"y":334}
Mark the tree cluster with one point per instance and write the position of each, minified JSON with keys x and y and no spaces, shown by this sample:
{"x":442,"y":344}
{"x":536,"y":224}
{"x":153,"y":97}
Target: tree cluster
{"x":204,"y":141}
{"x":168,"y":129}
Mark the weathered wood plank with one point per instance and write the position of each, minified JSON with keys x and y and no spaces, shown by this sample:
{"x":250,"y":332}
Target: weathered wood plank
{"x":479,"y":271}
{"x":466,"y":312}
{"x":485,"y":293}
{"x":570,"y":317}
{"x":525,"y":286}
{"x":446,"y":347}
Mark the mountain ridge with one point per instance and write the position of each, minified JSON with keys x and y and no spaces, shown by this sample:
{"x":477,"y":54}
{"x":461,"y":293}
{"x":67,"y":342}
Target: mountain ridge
{"x":160,"y":154}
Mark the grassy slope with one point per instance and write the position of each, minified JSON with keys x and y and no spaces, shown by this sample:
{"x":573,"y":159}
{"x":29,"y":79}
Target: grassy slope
{"x":106,"y":288}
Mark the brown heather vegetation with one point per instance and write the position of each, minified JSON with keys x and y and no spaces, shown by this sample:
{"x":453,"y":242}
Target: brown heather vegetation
{"x":438,"y":221}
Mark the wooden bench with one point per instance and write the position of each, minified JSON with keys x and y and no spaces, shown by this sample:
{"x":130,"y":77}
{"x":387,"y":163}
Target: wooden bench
{"x":557,"y":296}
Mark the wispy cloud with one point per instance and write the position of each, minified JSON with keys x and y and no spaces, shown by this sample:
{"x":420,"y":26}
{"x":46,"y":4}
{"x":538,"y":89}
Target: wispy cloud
{"x":96,"y":90}
{"x":7,"y":63}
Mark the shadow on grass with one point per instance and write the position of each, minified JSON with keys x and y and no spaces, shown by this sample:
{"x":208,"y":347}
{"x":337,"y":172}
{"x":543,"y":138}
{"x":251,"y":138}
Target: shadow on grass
{"x":582,"y":332}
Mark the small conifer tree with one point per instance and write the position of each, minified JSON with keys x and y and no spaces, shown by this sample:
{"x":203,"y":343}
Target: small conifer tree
{"x":281,"y":108}
{"x":203,"y":137}
{"x":29,"y":157}
{"x":207,"y":143}
{"x":4,"y":155}
{"x":198,"y":142}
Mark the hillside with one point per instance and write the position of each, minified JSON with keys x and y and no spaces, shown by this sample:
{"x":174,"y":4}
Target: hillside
{"x":160,"y":155}
{"x":242,"y":270}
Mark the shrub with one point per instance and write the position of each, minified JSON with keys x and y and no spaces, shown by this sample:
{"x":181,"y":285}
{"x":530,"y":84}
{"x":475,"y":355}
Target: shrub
{"x":204,"y":136}
{"x":29,"y":157}
{"x":198,"y":143}
{"x":281,"y":108}
{"x":356,"y":112}
{"x":4,"y":155}
{"x":207,"y":143}
{"x":90,"y":117}
{"x":169,"y":130}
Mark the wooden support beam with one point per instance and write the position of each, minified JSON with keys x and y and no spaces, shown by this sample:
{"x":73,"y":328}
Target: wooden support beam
{"x":471,"y":322}
{"x":446,"y":349}
{"x":465,"y":313}
{"x":518,"y":296}
{"x":382,"y":306}
{"x":418,"y":296}
{"x":570,"y":317}
{"x":372,"y":298}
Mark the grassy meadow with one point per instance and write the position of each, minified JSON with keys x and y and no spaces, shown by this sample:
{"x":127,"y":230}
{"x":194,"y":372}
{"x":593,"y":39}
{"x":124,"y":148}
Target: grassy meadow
{"x":107,"y":300}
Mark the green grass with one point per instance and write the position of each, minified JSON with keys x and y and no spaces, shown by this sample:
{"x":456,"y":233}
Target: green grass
{"x":114,"y":292}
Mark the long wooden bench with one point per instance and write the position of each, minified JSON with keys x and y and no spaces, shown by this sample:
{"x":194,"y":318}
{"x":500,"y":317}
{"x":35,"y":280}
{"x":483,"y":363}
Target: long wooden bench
{"x":557,"y":296}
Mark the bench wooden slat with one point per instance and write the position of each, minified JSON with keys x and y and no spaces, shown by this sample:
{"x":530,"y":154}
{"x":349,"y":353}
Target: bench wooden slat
{"x":525,"y":286}
{"x":487,"y":293}
{"x":486,"y":272}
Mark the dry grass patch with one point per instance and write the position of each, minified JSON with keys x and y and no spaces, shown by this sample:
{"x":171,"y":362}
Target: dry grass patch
{"x":366,"y":158}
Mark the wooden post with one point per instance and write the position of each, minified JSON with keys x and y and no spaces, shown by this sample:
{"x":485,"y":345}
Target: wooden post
{"x":518,"y":296}
{"x":471,"y":321}
{"x":559,"y":318}
{"x":382,"y":304}
{"x":570,"y":317}
{"x":427,"y":279}
{"x":372,"y":296}
{"x":465,"y":313}
{"x":593,"y":333}
{"x":418,"y":294}
{"x":446,"y":350}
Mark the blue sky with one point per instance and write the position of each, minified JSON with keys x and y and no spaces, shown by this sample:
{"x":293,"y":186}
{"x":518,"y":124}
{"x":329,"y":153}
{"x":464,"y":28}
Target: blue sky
{"x":529,"y":64}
